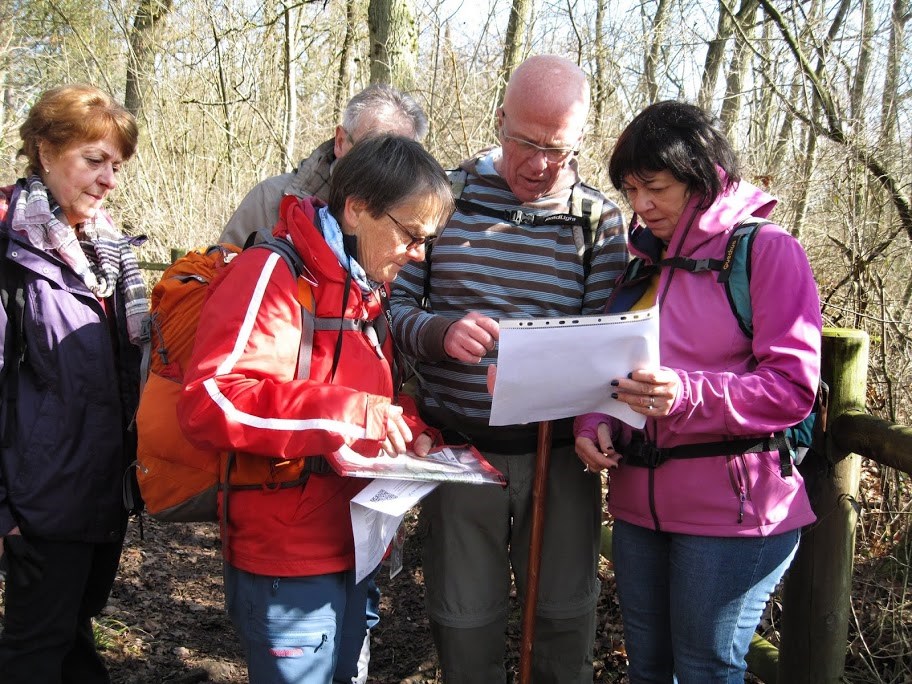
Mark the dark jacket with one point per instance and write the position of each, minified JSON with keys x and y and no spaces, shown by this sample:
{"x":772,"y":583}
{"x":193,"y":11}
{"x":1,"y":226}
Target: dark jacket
{"x":67,"y":442}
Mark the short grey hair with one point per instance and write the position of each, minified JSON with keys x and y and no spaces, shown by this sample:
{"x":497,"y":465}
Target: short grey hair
{"x":384,"y":102}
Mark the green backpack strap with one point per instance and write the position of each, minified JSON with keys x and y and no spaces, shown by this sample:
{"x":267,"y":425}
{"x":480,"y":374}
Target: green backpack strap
{"x":735,"y":271}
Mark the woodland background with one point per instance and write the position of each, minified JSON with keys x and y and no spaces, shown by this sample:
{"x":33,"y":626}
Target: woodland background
{"x":815,"y":95}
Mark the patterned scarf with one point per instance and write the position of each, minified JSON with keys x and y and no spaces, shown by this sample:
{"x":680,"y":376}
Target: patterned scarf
{"x":103,"y":261}
{"x":332,"y":233}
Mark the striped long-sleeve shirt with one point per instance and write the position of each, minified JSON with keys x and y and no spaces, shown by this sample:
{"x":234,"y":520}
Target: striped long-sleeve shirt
{"x":502,"y":270}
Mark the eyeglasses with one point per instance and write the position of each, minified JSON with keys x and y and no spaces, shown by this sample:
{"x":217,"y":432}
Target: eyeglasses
{"x":415,"y":241}
{"x":553,"y":155}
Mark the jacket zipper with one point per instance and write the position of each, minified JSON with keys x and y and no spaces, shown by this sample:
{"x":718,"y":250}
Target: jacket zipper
{"x":740,"y":485}
{"x":652,"y":508}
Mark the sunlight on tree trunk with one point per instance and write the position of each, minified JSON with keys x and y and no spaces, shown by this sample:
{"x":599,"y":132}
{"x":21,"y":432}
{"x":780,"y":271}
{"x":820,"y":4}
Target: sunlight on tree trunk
{"x":520,"y":16}
{"x":142,"y":51}
{"x":227,"y":126}
{"x":901,"y":15}
{"x":860,"y":82}
{"x":290,"y":45}
{"x":600,"y":87}
{"x":654,"y":48}
{"x":731,"y":104}
{"x":343,"y":83}
{"x":715,"y":52}
{"x":393,"y":42}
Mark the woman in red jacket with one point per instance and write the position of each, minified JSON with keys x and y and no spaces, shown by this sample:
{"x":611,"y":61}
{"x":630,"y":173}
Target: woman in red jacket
{"x":289,"y":554}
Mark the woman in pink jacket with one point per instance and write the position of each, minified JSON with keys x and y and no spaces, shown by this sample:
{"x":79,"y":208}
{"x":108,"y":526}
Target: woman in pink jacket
{"x":702,"y":534}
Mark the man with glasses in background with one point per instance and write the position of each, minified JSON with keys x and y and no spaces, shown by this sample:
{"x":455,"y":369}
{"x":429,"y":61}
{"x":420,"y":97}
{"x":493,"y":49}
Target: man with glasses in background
{"x":528,"y":239}
{"x":376,"y":110}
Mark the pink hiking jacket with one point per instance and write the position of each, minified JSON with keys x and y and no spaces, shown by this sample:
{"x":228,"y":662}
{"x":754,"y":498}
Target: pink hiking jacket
{"x":731,"y":386}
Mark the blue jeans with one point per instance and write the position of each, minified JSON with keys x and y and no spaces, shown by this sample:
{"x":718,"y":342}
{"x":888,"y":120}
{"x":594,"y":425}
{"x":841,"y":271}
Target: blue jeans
{"x":690,"y":604}
{"x":301,"y":629}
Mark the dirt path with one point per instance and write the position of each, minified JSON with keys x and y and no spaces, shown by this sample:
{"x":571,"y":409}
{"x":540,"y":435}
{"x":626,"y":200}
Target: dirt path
{"x":166,"y":623}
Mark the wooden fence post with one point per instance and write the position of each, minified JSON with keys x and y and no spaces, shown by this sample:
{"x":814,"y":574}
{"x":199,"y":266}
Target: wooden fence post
{"x":815,"y":612}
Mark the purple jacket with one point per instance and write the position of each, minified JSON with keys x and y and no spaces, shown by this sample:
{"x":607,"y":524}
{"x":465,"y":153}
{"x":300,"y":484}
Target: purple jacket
{"x":67,"y":443}
{"x":731,"y":386}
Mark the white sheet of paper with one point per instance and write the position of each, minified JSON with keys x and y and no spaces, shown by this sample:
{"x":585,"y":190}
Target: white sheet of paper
{"x":549,"y":368}
{"x":376,"y":512}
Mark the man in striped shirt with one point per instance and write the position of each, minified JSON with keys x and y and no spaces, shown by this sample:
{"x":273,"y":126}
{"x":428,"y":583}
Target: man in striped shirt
{"x":505,"y":254}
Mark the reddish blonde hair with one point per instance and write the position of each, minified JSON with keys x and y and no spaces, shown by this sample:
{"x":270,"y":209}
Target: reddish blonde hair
{"x":73,"y":114}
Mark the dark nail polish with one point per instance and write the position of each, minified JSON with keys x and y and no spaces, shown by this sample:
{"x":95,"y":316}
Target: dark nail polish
{"x":630,"y":375}
{"x":614,"y":395}
{"x":614,"y":383}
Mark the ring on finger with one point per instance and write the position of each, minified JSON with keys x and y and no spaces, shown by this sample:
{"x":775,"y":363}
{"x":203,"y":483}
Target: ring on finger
{"x":652,"y":403}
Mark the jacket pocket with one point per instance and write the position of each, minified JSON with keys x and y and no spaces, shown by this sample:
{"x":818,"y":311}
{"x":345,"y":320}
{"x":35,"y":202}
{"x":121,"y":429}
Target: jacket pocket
{"x":37,"y":428}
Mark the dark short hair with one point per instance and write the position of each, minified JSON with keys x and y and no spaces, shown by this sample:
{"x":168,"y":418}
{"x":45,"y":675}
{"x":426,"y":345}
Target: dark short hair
{"x":679,"y":138}
{"x":386,"y":170}
{"x":73,"y":114}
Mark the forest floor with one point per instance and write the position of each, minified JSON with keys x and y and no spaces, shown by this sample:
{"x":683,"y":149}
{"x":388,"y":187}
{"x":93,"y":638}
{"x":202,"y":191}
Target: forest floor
{"x":166,"y":622}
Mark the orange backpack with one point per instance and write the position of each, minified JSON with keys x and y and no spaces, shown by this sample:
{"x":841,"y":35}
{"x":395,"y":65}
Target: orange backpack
{"x":179,"y":482}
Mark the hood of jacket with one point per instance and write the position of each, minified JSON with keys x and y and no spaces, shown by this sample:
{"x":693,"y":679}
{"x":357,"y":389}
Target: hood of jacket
{"x":298,"y":220}
{"x":697,"y":226}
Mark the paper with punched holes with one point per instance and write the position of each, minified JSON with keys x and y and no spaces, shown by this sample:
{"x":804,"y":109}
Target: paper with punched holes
{"x":549,"y":368}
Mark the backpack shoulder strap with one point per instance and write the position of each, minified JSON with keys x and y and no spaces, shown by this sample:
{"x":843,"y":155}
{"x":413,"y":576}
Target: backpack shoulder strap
{"x":587,"y":202}
{"x":458,"y":178}
{"x":304,"y":280}
{"x":735,"y":272}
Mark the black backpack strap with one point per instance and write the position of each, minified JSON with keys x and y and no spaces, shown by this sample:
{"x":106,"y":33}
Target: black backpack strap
{"x":645,"y":454}
{"x":586,"y":201}
{"x":12,"y":298}
{"x":692,"y":265}
{"x":521,"y":217}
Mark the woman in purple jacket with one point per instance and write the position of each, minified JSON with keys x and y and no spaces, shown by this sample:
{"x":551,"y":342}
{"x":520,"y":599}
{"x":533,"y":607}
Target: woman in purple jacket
{"x":69,"y":382}
{"x":700,"y":542}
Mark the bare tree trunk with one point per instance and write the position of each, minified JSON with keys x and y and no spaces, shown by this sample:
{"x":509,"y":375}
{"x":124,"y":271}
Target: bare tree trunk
{"x":901,"y":14}
{"x":393,"y":42}
{"x":807,"y":175}
{"x":651,"y":59}
{"x":344,"y":80}
{"x":785,"y":131}
{"x":520,"y":14}
{"x":139,"y":61}
{"x":601,"y":85}
{"x":290,"y":45}
{"x":731,"y":105}
{"x":714,"y":53}
{"x":5,"y":55}
{"x":223,"y":101}
{"x":864,"y":61}
{"x":4,"y":94}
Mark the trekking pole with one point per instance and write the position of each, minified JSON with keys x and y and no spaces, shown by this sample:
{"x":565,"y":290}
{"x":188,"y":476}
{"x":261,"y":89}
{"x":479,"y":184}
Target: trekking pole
{"x":539,"y":494}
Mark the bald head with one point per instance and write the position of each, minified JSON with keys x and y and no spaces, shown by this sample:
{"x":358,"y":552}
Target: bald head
{"x":549,"y":87}
{"x":540,"y":125}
